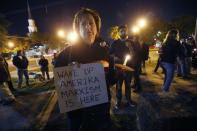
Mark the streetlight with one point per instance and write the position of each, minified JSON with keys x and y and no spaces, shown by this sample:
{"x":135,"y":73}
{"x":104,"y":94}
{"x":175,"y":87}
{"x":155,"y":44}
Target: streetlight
{"x":61,"y":33}
{"x":10,"y":44}
{"x":135,"y":29}
{"x":72,"y":37}
{"x":142,"y":22}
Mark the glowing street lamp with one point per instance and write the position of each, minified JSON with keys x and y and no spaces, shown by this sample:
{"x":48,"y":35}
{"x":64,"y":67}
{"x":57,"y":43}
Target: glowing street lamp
{"x":10,"y":44}
{"x":142,"y":23}
{"x":128,"y":57}
{"x":61,"y":34}
{"x":135,"y":29}
{"x":72,"y":37}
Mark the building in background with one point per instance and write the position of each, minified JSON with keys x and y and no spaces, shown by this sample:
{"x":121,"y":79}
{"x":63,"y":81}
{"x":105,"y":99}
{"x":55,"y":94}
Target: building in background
{"x":32,"y":26}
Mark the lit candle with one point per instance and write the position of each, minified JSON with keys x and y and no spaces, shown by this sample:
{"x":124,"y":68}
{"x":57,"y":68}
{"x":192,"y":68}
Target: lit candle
{"x":128,"y":57}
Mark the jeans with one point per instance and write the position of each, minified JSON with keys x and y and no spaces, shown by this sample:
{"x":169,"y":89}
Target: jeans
{"x":22,"y":72}
{"x":158,"y":64}
{"x":181,"y":67}
{"x":47,"y":74}
{"x":169,"y":74}
{"x":126,"y":76}
{"x":188,"y":65}
{"x":136,"y":76}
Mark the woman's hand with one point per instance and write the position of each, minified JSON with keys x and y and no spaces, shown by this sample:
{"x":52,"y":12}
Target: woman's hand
{"x":103,"y":62}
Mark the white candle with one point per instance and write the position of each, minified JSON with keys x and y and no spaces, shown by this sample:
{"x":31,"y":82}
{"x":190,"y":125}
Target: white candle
{"x":126,"y":59}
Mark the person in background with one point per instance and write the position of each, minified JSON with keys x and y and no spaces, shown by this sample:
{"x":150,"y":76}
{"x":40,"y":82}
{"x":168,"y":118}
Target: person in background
{"x":21,"y":62}
{"x":158,"y":65}
{"x":120,"y":49}
{"x":9,"y":82}
{"x":194,"y":53}
{"x":43,"y":62}
{"x":158,"y":61}
{"x":169,"y":52}
{"x":53,"y":59}
{"x":181,"y":60}
{"x":137,"y":60}
{"x":145,"y":56}
{"x":6,"y":92}
{"x":190,"y":45}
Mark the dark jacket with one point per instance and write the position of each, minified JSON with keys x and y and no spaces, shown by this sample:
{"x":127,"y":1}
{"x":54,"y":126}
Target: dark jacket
{"x":137,"y":57}
{"x":170,"y":50}
{"x":120,"y":49}
{"x":183,"y":51}
{"x":189,"y":50}
{"x":4,"y":72}
{"x":145,"y":51}
{"x":53,"y":61}
{"x":20,"y":63}
{"x":43,"y":64}
{"x":83,"y":54}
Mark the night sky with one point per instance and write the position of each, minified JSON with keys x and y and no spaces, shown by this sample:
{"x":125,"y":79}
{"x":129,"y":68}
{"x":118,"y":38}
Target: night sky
{"x":51,"y":15}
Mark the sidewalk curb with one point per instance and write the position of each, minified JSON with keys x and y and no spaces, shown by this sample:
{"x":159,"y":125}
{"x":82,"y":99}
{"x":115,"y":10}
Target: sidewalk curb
{"x":43,"y":116}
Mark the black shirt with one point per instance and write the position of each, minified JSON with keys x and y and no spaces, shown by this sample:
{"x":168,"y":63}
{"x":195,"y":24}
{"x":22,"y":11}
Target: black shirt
{"x":83,"y":53}
{"x":170,"y":50}
{"x":120,"y":49}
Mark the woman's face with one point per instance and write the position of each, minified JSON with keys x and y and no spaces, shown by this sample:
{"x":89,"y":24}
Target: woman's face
{"x":87,"y":29}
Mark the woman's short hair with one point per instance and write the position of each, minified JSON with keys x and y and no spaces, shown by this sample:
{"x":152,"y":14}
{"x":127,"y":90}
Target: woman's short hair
{"x":86,"y":11}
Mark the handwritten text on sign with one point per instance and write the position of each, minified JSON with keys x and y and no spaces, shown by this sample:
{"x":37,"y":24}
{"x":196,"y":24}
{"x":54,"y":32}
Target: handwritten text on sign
{"x":80,"y":87}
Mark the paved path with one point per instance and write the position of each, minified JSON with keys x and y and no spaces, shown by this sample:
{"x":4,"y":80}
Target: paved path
{"x":11,"y":119}
{"x":42,"y":111}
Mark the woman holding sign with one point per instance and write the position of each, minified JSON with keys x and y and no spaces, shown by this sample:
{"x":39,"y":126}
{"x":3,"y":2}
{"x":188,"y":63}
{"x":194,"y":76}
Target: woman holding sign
{"x":88,"y":49}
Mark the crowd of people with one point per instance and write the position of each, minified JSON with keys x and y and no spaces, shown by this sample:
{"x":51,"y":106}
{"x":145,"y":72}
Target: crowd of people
{"x":176,"y":56}
{"x":21,"y":62}
{"x":89,"y":48}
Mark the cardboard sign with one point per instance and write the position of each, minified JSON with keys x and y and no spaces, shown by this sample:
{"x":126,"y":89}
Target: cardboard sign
{"x":80,"y":87}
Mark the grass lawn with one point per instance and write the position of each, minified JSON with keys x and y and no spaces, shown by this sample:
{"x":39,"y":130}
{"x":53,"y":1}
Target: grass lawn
{"x":35,"y":86}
